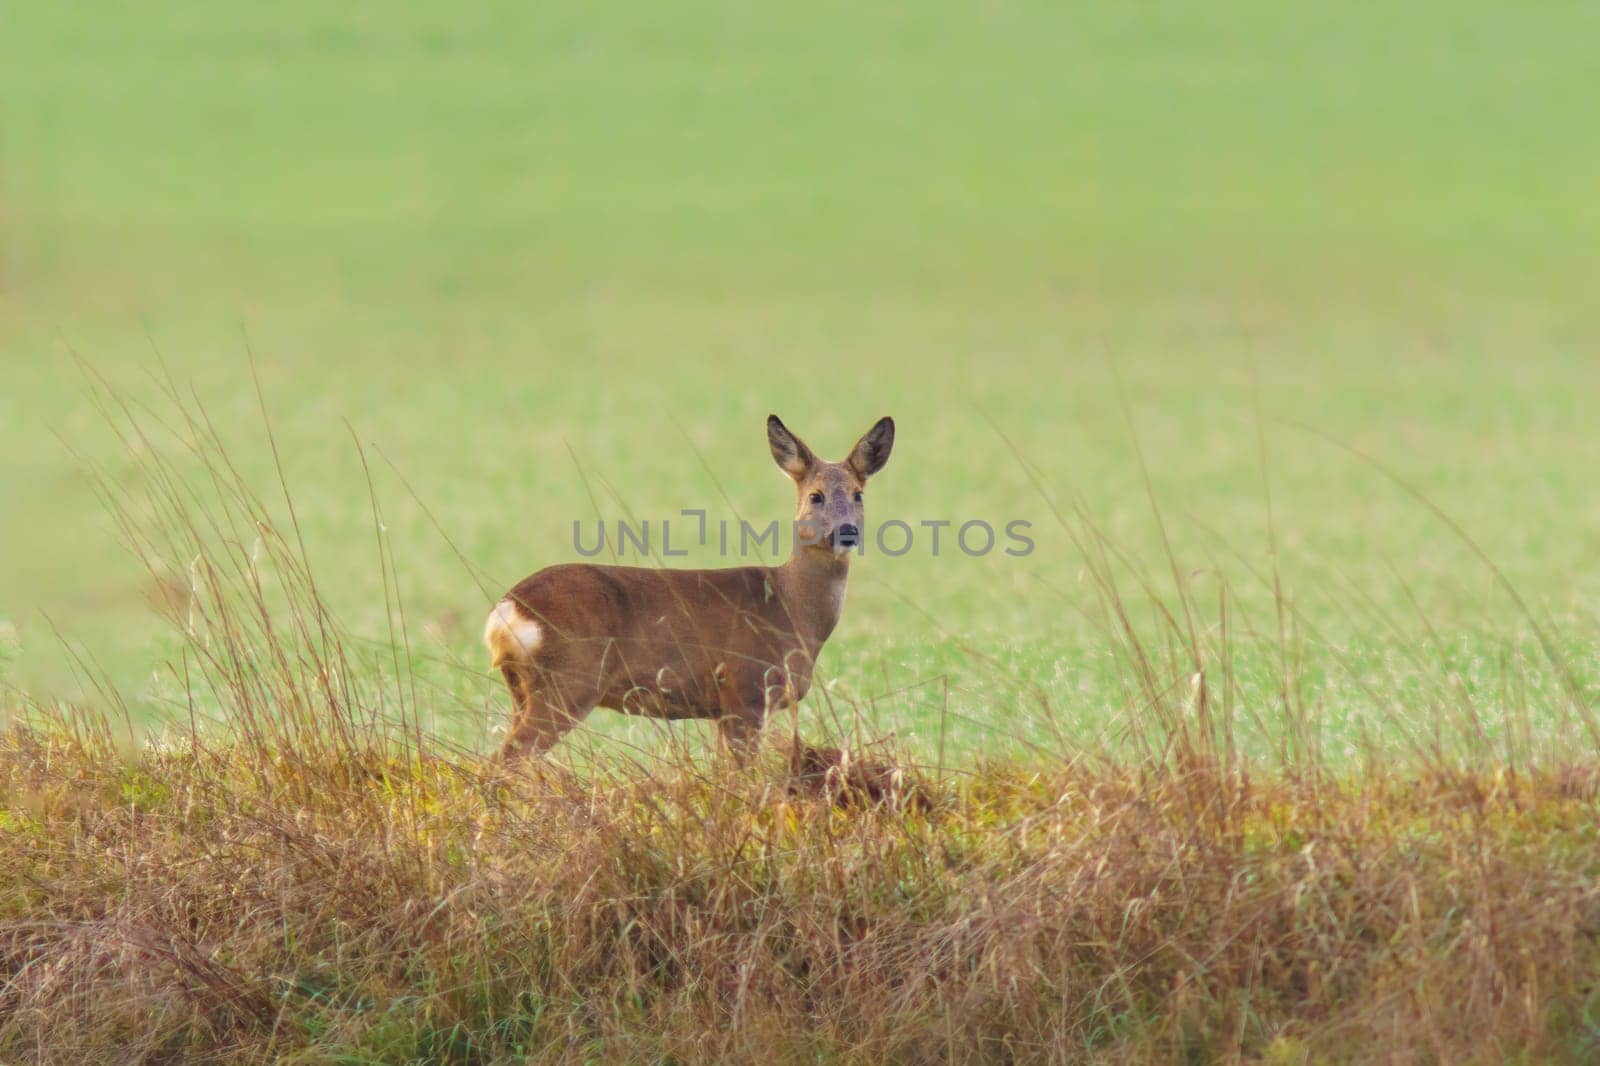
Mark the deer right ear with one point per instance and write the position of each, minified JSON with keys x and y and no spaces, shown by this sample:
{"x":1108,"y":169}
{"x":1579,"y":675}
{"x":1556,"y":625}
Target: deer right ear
{"x":788,"y":450}
{"x":872,"y":450}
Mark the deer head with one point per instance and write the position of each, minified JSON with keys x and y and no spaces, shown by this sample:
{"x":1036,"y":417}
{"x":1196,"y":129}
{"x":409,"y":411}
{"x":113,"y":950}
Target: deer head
{"x":829,"y":507}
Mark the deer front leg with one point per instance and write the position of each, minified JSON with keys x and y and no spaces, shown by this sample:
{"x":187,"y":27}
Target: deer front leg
{"x":740,"y":719}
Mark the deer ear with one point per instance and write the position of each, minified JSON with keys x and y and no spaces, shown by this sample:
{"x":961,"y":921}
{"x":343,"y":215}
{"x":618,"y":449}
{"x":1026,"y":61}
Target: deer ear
{"x":872,"y":450}
{"x":788,"y":450}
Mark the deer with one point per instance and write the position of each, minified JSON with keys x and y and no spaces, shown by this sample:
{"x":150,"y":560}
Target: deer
{"x":726,"y":644}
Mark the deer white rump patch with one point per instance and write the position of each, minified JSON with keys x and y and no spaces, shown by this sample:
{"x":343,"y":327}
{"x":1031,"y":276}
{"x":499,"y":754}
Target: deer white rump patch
{"x":509,"y":634}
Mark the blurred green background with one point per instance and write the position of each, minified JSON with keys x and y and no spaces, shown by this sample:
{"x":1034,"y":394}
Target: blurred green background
{"x":496,"y":238}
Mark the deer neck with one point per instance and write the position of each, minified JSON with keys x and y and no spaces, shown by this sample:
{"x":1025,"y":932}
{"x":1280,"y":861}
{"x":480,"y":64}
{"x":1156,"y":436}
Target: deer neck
{"x":812,"y":585}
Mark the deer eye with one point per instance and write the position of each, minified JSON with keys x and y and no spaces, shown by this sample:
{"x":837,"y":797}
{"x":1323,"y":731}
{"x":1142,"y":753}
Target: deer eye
{"x":817,"y":497}
{"x":858,"y":495}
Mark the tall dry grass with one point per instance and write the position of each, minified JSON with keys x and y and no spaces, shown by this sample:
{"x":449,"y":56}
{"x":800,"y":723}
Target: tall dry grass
{"x":297,"y":871}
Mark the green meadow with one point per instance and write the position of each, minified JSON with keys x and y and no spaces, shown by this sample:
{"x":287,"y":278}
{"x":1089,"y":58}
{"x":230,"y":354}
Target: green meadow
{"x":1221,"y":299}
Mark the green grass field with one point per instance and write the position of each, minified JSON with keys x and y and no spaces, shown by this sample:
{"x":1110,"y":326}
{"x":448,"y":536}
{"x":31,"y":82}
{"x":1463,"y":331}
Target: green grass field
{"x":548,"y":263}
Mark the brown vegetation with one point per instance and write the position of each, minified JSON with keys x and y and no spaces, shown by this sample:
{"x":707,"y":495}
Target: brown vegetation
{"x":253,"y":903}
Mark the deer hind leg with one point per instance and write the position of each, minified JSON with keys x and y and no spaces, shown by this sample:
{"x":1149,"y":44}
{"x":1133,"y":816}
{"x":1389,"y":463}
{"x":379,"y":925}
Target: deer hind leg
{"x":738,"y":722}
{"x":541,"y":714}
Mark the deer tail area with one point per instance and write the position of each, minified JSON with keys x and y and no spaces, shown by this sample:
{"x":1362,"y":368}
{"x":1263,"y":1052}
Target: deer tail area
{"x":510,"y":635}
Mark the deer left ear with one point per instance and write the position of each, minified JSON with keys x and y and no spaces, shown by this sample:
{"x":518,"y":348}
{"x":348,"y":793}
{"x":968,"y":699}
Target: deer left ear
{"x":788,"y":450}
{"x":872,"y":450}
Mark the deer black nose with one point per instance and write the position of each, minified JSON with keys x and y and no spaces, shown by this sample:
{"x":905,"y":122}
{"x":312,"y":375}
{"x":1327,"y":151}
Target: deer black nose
{"x":849,"y":534}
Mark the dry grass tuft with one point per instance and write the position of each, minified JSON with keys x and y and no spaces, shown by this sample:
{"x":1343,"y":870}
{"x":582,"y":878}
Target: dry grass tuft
{"x":847,"y":779}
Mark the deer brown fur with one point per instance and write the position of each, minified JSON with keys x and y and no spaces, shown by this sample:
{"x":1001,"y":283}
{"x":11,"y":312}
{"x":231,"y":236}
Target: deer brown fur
{"x":726,"y":644}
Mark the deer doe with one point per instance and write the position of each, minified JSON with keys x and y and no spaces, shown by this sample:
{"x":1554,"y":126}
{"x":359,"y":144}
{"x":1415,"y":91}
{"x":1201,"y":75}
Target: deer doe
{"x":727,"y":644}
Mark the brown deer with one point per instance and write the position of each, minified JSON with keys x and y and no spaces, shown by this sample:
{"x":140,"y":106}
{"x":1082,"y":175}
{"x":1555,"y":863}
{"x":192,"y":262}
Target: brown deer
{"x":726,"y":644}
